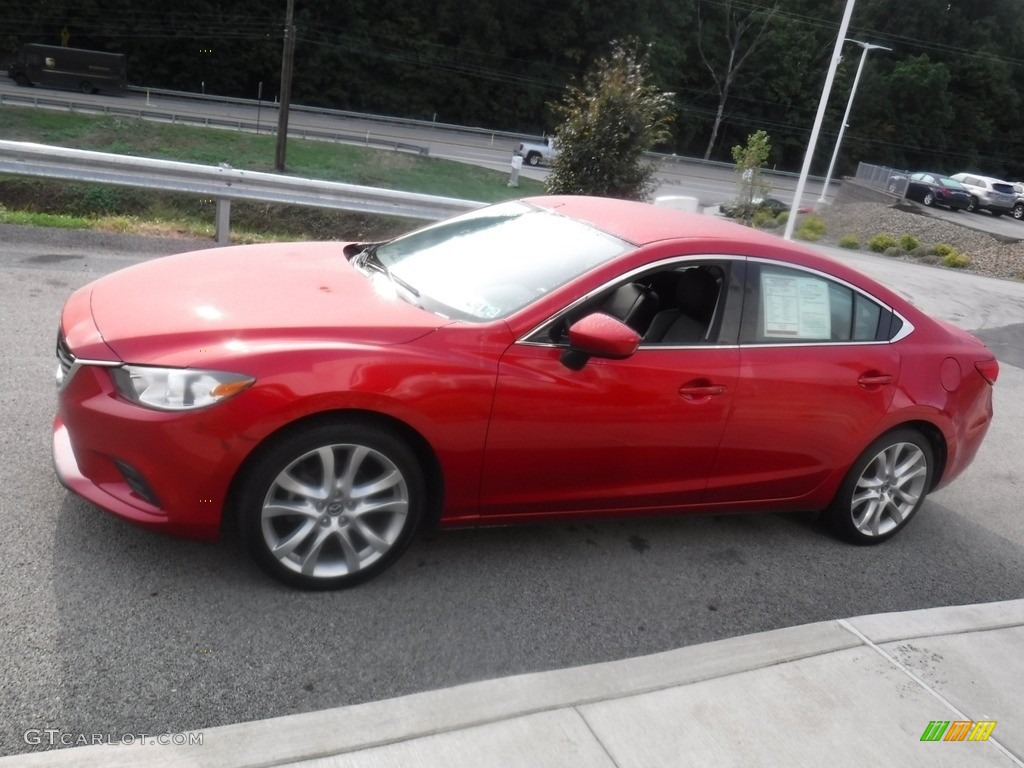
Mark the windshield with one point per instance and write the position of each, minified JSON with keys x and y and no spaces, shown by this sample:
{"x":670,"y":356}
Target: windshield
{"x":487,"y":264}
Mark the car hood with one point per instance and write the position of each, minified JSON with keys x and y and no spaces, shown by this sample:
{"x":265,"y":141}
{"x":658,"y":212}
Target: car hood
{"x":175,"y":310}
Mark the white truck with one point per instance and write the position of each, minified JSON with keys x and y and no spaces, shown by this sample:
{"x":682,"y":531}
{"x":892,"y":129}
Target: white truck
{"x":537,"y":152}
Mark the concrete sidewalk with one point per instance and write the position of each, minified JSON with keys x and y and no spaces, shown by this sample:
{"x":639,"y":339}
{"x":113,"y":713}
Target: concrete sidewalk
{"x":853,"y":692}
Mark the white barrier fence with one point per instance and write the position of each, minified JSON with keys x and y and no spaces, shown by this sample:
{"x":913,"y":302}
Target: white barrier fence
{"x":220,"y":183}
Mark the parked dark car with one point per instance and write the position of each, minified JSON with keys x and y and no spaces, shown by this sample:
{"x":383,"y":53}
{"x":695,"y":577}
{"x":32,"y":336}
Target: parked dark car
{"x":936,"y":189}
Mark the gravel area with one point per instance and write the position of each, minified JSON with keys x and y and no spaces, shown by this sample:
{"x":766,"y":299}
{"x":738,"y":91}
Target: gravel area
{"x":990,"y":254}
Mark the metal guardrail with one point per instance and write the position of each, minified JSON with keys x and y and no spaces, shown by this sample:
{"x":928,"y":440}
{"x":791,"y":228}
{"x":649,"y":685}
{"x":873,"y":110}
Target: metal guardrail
{"x":221,"y":183}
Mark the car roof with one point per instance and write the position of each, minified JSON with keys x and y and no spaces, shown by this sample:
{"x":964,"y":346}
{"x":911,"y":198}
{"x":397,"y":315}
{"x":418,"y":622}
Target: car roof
{"x":644,"y":223}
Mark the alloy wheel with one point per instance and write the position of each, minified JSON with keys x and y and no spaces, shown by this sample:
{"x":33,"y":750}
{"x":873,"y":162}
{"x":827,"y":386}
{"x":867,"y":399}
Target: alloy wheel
{"x":889,"y":489}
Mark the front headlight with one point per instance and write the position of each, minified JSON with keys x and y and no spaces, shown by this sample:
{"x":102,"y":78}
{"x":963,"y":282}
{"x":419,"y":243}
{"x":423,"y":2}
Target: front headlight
{"x":176,"y":389}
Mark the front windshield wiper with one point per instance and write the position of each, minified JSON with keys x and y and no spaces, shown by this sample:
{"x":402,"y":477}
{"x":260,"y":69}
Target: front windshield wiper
{"x":369,"y":262}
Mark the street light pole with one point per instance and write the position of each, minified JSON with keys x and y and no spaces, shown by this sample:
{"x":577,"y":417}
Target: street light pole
{"x":865,"y":47}
{"x":822,"y":103}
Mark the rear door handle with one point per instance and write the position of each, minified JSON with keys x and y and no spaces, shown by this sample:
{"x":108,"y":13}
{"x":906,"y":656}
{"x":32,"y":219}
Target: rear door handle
{"x":874,"y":379}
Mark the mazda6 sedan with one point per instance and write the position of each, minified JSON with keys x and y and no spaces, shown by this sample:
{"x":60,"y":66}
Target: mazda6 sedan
{"x":551,"y":358}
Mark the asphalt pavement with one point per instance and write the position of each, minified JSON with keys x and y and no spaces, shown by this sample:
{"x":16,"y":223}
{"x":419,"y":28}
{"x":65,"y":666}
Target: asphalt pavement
{"x":847,"y":692}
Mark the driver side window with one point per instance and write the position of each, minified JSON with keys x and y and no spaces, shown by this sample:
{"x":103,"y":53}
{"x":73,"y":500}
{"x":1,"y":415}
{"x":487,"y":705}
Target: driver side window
{"x":679,"y":305}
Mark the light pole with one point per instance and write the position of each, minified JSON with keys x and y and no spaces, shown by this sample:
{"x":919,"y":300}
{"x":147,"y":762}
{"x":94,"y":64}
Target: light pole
{"x":865,"y":47}
{"x":822,"y":103}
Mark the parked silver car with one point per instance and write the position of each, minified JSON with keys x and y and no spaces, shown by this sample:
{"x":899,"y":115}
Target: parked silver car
{"x":1018,"y":207}
{"x":993,"y":195}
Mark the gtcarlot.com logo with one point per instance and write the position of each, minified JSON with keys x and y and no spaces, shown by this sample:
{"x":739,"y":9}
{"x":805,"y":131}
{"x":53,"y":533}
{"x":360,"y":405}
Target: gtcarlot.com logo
{"x":52,"y":737}
{"x":958,"y":730}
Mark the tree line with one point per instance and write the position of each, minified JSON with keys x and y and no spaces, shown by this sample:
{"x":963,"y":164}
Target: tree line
{"x":946,"y":98}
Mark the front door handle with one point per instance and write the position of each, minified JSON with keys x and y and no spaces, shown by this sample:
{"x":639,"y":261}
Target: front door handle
{"x":701,"y":390}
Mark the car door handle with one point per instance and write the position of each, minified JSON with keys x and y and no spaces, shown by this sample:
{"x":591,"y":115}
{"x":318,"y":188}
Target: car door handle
{"x":874,"y":379}
{"x":702,"y":390}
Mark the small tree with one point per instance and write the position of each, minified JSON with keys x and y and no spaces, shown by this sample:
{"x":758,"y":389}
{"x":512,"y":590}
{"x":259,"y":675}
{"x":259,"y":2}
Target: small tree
{"x":608,"y":123}
{"x":751,"y":187}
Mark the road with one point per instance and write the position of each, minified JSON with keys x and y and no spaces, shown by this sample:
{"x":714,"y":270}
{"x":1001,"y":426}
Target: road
{"x":710,"y":183}
{"x":105,"y":628}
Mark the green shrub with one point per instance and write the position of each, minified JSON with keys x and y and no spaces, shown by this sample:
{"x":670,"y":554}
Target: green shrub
{"x":849,"y":241}
{"x":909,"y":243}
{"x":920,"y":252}
{"x":782,"y":218}
{"x":942,"y":249}
{"x":763,"y":219}
{"x":956,"y":260}
{"x":881,"y":243}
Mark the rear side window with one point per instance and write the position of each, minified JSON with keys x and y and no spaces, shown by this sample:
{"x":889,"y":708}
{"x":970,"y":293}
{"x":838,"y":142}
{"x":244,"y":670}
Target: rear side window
{"x":1004,"y":188}
{"x":784,"y":305}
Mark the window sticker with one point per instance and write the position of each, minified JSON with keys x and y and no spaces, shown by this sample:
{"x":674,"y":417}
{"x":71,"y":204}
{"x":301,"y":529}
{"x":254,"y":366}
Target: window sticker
{"x":795,"y":307}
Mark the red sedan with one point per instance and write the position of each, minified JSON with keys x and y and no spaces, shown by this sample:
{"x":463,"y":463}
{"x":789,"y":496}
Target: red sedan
{"x":544,"y":359}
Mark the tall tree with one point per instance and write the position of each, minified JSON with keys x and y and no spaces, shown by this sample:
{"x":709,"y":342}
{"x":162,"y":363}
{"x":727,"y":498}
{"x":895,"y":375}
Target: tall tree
{"x":742,"y":31}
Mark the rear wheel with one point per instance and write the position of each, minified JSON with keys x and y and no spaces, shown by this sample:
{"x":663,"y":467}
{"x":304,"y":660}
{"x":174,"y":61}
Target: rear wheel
{"x":533,"y":158}
{"x":1018,"y":211}
{"x":929,"y":198}
{"x":972,"y":206}
{"x":332,"y":506}
{"x":883,"y":489}
{"x":86,"y":87}
{"x":22,"y":79}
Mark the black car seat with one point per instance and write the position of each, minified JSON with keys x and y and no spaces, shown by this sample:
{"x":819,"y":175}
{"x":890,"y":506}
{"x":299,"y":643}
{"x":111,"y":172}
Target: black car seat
{"x":689,"y":321}
{"x":633,"y":304}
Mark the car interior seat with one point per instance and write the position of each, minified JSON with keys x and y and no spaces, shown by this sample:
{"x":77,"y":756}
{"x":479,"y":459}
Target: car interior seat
{"x":689,"y":321}
{"x":633,"y":304}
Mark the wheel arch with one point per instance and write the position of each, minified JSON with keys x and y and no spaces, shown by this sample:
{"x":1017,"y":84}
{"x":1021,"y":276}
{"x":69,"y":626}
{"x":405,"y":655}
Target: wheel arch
{"x":936,"y":441}
{"x":433,"y":475}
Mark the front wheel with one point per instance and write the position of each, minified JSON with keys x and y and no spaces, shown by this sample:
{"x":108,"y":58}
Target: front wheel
{"x":883,"y":489}
{"x":332,"y":506}
{"x":86,"y":87}
{"x":1018,"y":211}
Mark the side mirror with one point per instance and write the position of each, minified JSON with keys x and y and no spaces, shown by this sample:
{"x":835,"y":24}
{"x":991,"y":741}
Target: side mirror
{"x":598,"y":335}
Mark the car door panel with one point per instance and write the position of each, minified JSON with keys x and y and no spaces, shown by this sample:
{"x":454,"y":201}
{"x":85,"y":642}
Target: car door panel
{"x":639,"y":433}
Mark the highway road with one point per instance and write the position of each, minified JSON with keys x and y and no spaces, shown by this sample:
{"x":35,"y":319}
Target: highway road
{"x":108,"y":629}
{"x":710,"y":183}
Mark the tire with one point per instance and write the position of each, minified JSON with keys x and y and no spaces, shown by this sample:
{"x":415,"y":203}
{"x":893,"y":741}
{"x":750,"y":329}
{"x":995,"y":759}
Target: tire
{"x":533,"y":159}
{"x":972,"y":207}
{"x":928,"y":199}
{"x":304,"y":519}
{"x":86,"y":87}
{"x":22,"y":79}
{"x":1018,"y":211}
{"x":883,"y":489}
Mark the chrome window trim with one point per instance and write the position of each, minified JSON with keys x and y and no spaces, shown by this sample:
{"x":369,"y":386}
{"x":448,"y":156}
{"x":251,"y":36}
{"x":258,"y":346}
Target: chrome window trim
{"x":906,"y":329}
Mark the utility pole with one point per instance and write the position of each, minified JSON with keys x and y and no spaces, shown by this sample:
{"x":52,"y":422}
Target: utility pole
{"x":286,"y":86}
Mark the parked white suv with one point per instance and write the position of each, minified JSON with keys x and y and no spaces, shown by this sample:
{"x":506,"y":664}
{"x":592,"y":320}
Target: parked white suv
{"x":993,"y":195}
